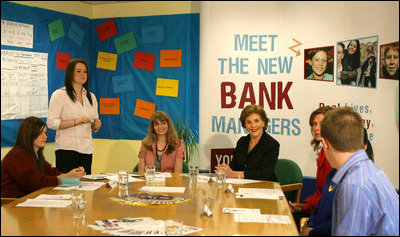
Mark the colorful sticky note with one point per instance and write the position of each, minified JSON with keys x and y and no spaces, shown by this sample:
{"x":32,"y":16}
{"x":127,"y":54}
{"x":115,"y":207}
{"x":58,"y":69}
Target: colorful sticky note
{"x":106,"y":30}
{"x":171,"y":58}
{"x":123,"y":83}
{"x":56,"y":29}
{"x":153,"y":34}
{"x":107,"y":61}
{"x":144,"y":61}
{"x":167,"y":87}
{"x":76,"y":33}
{"x":144,"y":109}
{"x":125,"y":43}
{"x":109,"y":105}
{"x":62,"y":60}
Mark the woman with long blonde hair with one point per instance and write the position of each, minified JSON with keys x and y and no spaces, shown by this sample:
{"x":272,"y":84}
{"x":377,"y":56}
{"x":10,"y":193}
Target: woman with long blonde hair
{"x":161,"y":147}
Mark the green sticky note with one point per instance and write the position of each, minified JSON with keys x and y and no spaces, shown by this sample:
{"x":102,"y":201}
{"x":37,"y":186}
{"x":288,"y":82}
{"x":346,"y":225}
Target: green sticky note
{"x":125,"y":43}
{"x":56,"y":29}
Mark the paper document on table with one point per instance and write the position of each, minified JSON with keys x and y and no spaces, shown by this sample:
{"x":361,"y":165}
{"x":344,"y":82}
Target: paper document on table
{"x":54,"y":197}
{"x":247,"y":217}
{"x":137,"y":226}
{"x":260,"y":193}
{"x":228,"y":210}
{"x":241,"y":181}
{"x":158,"y":189}
{"x":44,"y":203}
{"x":131,"y":179}
{"x":85,"y":186}
{"x":94,"y":176}
{"x":165,"y":174}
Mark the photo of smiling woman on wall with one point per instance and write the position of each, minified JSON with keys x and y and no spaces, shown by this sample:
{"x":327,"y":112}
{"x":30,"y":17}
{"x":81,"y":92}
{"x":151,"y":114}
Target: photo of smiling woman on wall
{"x":318,"y":63}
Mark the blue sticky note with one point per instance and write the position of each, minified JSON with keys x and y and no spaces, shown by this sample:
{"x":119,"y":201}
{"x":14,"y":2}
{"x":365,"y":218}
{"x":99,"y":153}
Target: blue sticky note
{"x":69,"y":182}
{"x":153,"y":34}
{"x":123,"y":83}
{"x":76,"y":33}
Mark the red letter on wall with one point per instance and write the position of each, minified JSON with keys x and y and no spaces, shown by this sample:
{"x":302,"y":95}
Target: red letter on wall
{"x":225,"y":94}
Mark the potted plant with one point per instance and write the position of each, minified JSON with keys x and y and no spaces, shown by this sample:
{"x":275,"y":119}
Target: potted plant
{"x":188,"y":136}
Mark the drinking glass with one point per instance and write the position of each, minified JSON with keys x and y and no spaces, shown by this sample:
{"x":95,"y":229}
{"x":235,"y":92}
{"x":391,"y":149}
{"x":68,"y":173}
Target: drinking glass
{"x":150,"y":172}
{"x":173,"y":227}
{"x":123,"y":179}
{"x":78,"y":204}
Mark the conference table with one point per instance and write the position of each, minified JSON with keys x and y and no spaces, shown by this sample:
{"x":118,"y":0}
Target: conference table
{"x":59,"y":221}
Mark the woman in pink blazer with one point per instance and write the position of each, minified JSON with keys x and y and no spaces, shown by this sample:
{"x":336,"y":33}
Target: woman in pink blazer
{"x":161,"y":147}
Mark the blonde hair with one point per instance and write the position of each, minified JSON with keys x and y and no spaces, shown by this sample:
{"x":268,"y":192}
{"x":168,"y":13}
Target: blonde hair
{"x":172,"y":137}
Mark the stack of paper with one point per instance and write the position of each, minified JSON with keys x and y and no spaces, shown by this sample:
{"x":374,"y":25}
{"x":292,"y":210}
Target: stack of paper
{"x":247,"y":217}
{"x":260,"y":193}
{"x":44,"y":203}
{"x":160,"y":189}
{"x":138,"y":226}
{"x":85,"y":186}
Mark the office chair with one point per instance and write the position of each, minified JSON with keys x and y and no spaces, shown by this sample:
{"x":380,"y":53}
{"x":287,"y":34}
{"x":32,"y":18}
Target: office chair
{"x":290,"y":178}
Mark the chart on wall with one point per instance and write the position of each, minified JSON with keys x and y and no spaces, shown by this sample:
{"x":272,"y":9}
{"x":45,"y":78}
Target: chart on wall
{"x":23,"y":84}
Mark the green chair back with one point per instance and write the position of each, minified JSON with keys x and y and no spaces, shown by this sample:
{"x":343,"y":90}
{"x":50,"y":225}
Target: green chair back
{"x":185,"y":167}
{"x":288,"y":172}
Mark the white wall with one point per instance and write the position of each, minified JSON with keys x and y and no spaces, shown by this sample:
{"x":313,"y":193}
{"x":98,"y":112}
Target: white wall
{"x":314,"y":24}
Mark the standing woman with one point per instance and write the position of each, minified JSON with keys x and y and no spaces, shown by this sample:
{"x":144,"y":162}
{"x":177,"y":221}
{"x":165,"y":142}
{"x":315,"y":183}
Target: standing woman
{"x":161,"y":147}
{"x":73,"y":113}
{"x":256,"y":154}
{"x":24,"y":169}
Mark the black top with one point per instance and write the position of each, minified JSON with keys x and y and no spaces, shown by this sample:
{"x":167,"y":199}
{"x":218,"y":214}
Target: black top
{"x":260,"y":162}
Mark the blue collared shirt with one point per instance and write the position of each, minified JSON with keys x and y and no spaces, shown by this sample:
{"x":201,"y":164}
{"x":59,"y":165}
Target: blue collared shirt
{"x":366,"y":202}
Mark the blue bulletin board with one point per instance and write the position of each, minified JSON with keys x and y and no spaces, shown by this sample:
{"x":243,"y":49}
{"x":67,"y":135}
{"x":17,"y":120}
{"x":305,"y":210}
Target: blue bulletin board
{"x":157,"y":62}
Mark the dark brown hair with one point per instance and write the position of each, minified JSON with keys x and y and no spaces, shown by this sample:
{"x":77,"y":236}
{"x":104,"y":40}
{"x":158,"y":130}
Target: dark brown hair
{"x":320,"y":110}
{"x":29,"y":129}
{"x":253,"y":109}
{"x":69,"y":78}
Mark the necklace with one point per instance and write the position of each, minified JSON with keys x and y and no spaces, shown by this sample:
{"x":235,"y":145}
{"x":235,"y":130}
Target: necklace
{"x":162,"y":149}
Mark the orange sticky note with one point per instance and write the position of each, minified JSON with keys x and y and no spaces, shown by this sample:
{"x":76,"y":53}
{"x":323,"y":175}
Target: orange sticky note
{"x":171,"y":58}
{"x":144,"y":109}
{"x":109,"y":105}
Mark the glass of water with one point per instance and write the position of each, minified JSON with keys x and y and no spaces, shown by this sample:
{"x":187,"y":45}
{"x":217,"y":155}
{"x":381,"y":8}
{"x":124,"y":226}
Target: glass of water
{"x":193,"y":171}
{"x":123,"y":179}
{"x":78,"y":204}
{"x":173,"y":227}
{"x":150,"y":172}
{"x":220,"y":177}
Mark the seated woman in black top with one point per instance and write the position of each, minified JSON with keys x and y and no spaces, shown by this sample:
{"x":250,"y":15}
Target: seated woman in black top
{"x":256,"y":154}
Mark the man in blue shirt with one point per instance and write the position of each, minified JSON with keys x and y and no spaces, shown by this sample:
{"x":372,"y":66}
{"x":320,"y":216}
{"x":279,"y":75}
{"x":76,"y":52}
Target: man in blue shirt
{"x":365,"y":202}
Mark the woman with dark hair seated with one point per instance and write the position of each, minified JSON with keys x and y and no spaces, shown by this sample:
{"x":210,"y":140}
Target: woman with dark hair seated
{"x":24,"y":169}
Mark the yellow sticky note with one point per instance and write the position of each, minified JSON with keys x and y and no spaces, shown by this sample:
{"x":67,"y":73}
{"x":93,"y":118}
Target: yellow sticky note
{"x":167,"y":87}
{"x":107,"y":61}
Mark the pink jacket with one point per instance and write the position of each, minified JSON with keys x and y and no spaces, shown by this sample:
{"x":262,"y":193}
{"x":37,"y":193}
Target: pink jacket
{"x":167,"y":161}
